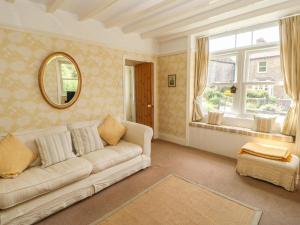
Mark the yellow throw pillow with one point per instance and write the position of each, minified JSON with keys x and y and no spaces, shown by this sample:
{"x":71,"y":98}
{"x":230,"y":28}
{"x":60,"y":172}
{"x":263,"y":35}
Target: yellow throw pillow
{"x":111,"y":130}
{"x":15,"y":157}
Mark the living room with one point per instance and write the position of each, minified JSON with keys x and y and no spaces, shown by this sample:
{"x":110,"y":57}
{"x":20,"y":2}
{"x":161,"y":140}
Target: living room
{"x":149,"y":112}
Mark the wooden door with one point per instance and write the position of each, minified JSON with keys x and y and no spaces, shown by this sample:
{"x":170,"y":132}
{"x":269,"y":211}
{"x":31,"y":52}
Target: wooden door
{"x":144,"y":93}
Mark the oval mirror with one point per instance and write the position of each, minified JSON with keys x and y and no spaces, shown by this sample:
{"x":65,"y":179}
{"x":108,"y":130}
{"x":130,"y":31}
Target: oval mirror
{"x":60,"y":80}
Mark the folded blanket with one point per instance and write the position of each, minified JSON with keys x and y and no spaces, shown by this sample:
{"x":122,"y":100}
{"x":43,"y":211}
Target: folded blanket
{"x":267,"y":151}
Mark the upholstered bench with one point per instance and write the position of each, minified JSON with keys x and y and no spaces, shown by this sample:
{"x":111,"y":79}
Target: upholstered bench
{"x":277,"y":172}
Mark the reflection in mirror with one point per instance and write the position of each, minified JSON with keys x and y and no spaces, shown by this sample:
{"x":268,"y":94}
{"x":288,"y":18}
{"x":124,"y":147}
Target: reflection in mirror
{"x":60,"y":80}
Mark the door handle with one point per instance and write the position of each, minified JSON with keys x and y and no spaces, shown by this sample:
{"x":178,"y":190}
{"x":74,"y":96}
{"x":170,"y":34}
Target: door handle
{"x":149,"y":106}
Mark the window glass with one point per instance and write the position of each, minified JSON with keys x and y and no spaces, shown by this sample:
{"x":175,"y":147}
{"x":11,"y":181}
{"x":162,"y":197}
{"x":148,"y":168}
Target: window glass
{"x":267,"y":99}
{"x":222,"y":43}
{"x":222,"y":69}
{"x":243,"y":39}
{"x":264,"y":66}
{"x":259,"y":80}
{"x":69,"y":85}
{"x":218,"y":98}
{"x":266,"y":35}
{"x":68,"y":71}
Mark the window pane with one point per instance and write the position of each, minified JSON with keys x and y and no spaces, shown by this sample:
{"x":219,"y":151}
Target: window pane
{"x":69,"y":85}
{"x":222,"y":43}
{"x":266,"y":35}
{"x":243,"y":39}
{"x":267,"y":99}
{"x":222,"y":69}
{"x":264,"y":66}
{"x":218,"y":98}
{"x":68,"y":71}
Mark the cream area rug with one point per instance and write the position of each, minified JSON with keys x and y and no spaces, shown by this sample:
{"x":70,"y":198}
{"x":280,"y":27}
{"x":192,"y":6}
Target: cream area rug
{"x":177,"y":201}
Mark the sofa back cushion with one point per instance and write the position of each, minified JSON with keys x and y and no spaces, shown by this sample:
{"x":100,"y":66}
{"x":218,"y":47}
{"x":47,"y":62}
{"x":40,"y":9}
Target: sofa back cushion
{"x":82,"y":124}
{"x":28,"y":137}
{"x":55,"y":148}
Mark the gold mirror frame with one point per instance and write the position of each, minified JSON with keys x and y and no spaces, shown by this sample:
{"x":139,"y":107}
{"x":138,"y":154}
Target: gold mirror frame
{"x":41,"y":79}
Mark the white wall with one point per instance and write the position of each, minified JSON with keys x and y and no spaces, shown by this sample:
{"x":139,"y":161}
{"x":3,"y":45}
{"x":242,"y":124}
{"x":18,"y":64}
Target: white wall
{"x":225,"y":143}
{"x":173,"y":46}
{"x":29,"y":16}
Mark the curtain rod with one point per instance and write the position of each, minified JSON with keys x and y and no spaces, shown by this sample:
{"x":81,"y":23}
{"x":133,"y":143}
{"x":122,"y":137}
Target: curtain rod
{"x":285,"y":17}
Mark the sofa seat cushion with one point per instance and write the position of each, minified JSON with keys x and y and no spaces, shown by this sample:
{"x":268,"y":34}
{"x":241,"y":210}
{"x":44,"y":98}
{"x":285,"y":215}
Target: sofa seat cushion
{"x":37,"y":181}
{"x":113,"y":155}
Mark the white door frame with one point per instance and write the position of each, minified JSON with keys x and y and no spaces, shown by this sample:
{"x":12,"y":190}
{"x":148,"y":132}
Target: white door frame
{"x":155,"y":105}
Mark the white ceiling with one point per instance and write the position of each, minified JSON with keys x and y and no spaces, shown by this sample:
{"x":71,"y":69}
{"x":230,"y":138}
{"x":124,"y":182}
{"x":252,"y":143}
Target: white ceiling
{"x":170,"y":19}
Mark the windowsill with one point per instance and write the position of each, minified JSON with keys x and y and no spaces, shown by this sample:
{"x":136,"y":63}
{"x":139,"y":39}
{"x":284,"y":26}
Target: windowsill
{"x":244,"y":131}
{"x":246,"y":121}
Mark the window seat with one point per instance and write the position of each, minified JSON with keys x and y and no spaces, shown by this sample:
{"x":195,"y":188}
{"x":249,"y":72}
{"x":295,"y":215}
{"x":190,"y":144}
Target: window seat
{"x":244,"y":131}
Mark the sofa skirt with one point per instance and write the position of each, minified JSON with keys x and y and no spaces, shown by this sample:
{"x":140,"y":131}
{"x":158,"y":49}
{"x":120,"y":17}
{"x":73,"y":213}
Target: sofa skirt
{"x":45,"y":205}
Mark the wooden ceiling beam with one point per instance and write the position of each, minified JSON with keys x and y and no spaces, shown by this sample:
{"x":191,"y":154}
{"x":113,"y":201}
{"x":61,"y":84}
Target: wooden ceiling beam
{"x":189,"y":21}
{"x":54,"y":5}
{"x":166,"y":17}
{"x":98,"y":10}
{"x":276,"y":9}
{"x":139,"y":12}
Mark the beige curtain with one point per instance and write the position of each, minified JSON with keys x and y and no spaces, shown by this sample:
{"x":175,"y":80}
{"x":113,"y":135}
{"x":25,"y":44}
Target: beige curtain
{"x":290,"y":63}
{"x":201,"y":69}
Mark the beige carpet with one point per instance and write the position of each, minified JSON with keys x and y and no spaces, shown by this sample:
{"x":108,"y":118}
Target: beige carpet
{"x":175,"y":200}
{"x":279,"y":207}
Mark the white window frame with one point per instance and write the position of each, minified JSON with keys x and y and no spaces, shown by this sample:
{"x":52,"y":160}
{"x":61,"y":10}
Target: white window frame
{"x":242,"y":54}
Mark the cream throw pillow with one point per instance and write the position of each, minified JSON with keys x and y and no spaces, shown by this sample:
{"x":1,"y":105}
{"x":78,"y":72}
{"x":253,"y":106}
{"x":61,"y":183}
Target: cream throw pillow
{"x":111,"y":130}
{"x":15,"y":157}
{"x":86,"y":140}
{"x":264,"y":123}
{"x":215,"y":118}
{"x":55,"y":148}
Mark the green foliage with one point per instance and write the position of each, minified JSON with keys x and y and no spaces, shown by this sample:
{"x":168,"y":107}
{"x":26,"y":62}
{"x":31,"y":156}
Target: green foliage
{"x":270,"y":108}
{"x":211,"y":93}
{"x":215,"y":98}
{"x":251,"y":105}
{"x":272,"y":100}
{"x":68,"y":71}
{"x":252,"y":93}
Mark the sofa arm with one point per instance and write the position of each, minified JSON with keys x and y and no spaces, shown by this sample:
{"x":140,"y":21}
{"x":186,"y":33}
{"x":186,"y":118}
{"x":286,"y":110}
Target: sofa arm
{"x":139,"y":134}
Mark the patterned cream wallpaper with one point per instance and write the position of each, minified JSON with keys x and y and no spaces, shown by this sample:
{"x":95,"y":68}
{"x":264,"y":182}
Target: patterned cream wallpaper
{"x":172,"y":100}
{"x":21,"y":104}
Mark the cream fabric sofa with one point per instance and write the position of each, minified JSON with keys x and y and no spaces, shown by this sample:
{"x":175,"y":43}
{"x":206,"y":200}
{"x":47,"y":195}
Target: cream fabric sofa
{"x":39,"y":192}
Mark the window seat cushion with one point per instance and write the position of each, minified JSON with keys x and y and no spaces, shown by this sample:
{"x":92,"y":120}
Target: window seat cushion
{"x":244,"y":131}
